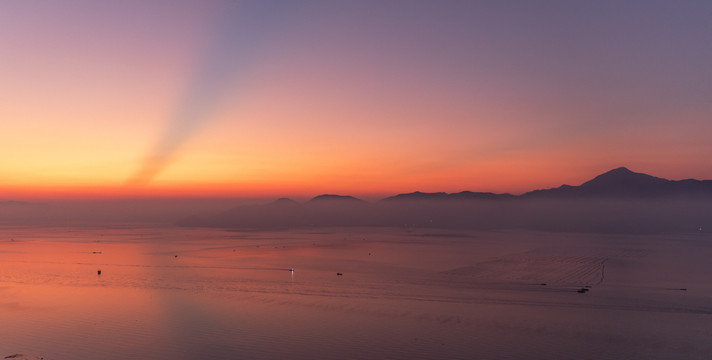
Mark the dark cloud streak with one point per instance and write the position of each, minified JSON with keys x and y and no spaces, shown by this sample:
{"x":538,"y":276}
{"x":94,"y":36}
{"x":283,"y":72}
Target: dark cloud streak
{"x":242,"y":31}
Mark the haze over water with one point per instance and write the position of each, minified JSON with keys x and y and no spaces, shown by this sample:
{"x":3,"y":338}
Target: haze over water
{"x":403,"y":294}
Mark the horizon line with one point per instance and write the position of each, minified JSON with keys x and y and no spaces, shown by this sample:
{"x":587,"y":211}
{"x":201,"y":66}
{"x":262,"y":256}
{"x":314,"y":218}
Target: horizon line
{"x":68,"y":193}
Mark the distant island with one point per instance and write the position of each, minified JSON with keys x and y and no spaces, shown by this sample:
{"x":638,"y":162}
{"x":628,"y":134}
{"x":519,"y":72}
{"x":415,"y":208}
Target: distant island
{"x":618,"y":201}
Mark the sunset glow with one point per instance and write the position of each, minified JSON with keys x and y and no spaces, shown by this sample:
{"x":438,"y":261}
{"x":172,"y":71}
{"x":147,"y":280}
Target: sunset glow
{"x":360,"y":98}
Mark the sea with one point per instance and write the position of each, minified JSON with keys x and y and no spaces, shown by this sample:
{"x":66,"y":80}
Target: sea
{"x":138,"y":291}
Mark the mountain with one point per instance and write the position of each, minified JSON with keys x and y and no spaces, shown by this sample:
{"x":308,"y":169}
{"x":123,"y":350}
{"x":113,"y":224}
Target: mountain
{"x":463,"y":195}
{"x":285,"y":202}
{"x":418,"y":196}
{"x":470,"y":195}
{"x":625,"y":184}
{"x":334,"y":198}
{"x":618,"y":201}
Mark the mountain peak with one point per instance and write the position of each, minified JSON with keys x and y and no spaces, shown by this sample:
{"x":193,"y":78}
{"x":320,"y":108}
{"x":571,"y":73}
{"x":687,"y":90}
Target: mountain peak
{"x":620,"y":170}
{"x":620,"y":173}
{"x":418,"y":195}
{"x":331,"y":197}
{"x":285,"y":202}
{"x":623,"y":178}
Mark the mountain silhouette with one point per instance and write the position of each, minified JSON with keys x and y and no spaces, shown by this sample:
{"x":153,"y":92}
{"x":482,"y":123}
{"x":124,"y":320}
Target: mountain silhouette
{"x":618,"y":201}
{"x":334,"y":198}
{"x":623,"y":183}
{"x":418,"y":196}
{"x":285,"y":202}
{"x":463,"y":195}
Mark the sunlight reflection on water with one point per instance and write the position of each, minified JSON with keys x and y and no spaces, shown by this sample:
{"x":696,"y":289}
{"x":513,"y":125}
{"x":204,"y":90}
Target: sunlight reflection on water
{"x":197,"y":293}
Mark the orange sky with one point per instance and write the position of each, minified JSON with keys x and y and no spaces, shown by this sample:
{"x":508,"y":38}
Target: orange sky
{"x":367,"y":99}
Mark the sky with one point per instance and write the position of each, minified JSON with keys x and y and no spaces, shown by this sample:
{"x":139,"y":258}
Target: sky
{"x":367,"y":98}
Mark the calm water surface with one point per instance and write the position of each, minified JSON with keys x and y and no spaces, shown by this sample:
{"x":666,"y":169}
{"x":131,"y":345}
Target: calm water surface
{"x":173,"y":293}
